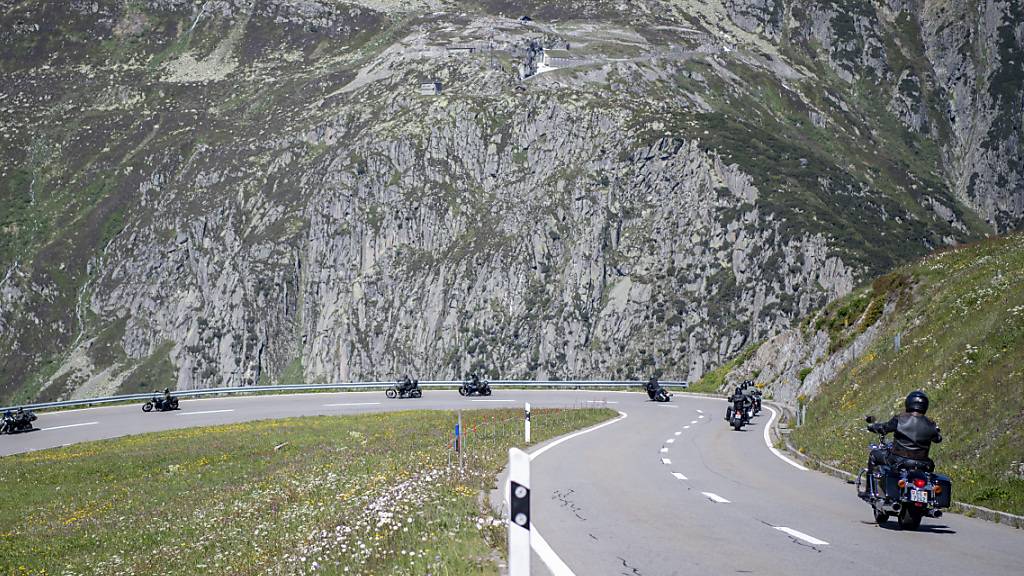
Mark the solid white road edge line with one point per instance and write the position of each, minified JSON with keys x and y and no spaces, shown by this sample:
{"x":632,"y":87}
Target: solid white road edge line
{"x":715,"y":497}
{"x":355,"y":404}
{"x":667,"y":406}
{"x":489,"y":400}
{"x":768,"y":442}
{"x":802,"y":536}
{"x":537,"y":542}
{"x":205,"y":412}
{"x":69,"y":426}
{"x":678,"y":475}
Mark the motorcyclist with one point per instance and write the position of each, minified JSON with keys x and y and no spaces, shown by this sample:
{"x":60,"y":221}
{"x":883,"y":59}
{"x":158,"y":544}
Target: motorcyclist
{"x":20,"y":414}
{"x":167,"y":396}
{"x":474,"y":381}
{"x":913,"y":434}
{"x":737,"y":402}
{"x":405,"y":385}
{"x":652,"y":386}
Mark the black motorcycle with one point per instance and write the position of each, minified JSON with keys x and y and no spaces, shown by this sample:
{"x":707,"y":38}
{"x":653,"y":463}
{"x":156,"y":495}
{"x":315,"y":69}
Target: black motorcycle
{"x":400,"y":390}
{"x":161,"y":404}
{"x":13,"y":423}
{"x":475,"y":386}
{"x":738,"y":415}
{"x":657,"y":392}
{"x":908,"y":490}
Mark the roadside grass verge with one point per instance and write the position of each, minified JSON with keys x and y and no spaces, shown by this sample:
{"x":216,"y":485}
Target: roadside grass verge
{"x":366,"y":494}
{"x":963,"y":343}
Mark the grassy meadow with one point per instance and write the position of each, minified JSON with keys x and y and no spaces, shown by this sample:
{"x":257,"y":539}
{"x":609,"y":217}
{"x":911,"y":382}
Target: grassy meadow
{"x":368,"y":494}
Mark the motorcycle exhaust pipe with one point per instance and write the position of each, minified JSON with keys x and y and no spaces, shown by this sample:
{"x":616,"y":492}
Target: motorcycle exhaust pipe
{"x":896,"y":507}
{"x":935,"y":513}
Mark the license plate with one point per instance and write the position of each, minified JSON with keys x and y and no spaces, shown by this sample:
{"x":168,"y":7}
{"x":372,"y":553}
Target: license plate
{"x":919,"y":496}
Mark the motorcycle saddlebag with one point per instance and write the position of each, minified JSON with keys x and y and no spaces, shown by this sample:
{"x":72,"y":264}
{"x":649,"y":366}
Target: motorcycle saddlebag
{"x":943,"y":499}
{"x":892,"y":487}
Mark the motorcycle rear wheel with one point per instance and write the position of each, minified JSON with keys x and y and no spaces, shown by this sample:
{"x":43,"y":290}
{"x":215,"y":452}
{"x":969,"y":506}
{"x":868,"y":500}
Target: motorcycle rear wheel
{"x":391,"y":393}
{"x":147,"y":407}
{"x":416,"y":394}
{"x":485,"y":392}
{"x":909,"y":519}
{"x":881,"y":517}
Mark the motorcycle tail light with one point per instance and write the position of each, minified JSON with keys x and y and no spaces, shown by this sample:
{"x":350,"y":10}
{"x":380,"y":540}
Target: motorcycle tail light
{"x":919,"y":482}
{"x":902,"y":483}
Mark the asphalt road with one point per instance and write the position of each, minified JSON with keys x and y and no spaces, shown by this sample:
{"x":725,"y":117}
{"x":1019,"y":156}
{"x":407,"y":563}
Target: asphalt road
{"x":668,"y":489}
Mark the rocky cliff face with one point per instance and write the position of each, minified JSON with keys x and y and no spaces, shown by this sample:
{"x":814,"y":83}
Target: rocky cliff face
{"x":224,"y":192}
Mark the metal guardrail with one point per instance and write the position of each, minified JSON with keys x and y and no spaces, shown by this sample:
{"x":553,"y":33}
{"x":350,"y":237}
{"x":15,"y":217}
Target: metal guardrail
{"x":341,"y":386}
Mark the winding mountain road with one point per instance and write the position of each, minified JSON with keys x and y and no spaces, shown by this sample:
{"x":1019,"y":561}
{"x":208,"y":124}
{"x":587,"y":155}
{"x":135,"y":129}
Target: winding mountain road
{"x":667,"y":489}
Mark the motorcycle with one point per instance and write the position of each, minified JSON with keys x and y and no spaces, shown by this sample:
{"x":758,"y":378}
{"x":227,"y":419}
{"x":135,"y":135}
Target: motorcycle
{"x":17,"y":422}
{"x":658,"y":393}
{"x":397,"y":391}
{"x":738,"y":415}
{"x":161,"y":404}
{"x":475,"y":386}
{"x":909,"y":490}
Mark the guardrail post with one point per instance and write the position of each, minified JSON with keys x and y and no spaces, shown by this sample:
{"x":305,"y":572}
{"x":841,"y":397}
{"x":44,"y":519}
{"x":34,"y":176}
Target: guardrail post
{"x":519,"y":513}
{"x":527,"y":423}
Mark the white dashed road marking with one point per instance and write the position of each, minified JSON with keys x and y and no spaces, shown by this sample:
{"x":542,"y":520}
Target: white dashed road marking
{"x":679,"y":433}
{"x":700,"y":411}
{"x":715,"y":497}
{"x":693,"y":422}
{"x":663,"y":450}
{"x":489,"y":400}
{"x":670,"y":441}
{"x":666,"y":461}
{"x":205,"y":412}
{"x":70,"y":426}
{"x":678,"y":475}
{"x":686,"y":427}
{"x":806,"y":538}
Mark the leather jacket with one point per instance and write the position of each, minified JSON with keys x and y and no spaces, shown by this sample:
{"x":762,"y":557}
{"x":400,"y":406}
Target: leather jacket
{"x":912,"y":433}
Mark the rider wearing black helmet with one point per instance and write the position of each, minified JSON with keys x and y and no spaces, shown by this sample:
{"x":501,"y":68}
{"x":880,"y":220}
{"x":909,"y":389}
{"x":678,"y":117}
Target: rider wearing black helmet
{"x":913,"y":434}
{"x":737,"y":403}
{"x":405,"y":385}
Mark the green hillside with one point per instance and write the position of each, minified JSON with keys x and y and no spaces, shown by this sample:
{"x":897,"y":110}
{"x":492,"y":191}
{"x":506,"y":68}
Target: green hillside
{"x":962,"y":325}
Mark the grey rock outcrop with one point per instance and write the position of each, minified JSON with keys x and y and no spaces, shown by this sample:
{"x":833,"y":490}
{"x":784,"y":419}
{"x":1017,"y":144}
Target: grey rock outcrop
{"x":229,"y":192}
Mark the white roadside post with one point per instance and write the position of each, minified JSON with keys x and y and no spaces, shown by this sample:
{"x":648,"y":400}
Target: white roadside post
{"x":527,"y":425}
{"x":519,"y":512}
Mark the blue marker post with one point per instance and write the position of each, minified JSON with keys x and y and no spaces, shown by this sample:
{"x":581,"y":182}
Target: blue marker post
{"x":458,"y":441}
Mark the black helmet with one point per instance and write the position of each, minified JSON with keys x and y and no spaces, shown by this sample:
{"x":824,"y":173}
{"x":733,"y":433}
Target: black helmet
{"x":917,"y":401}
